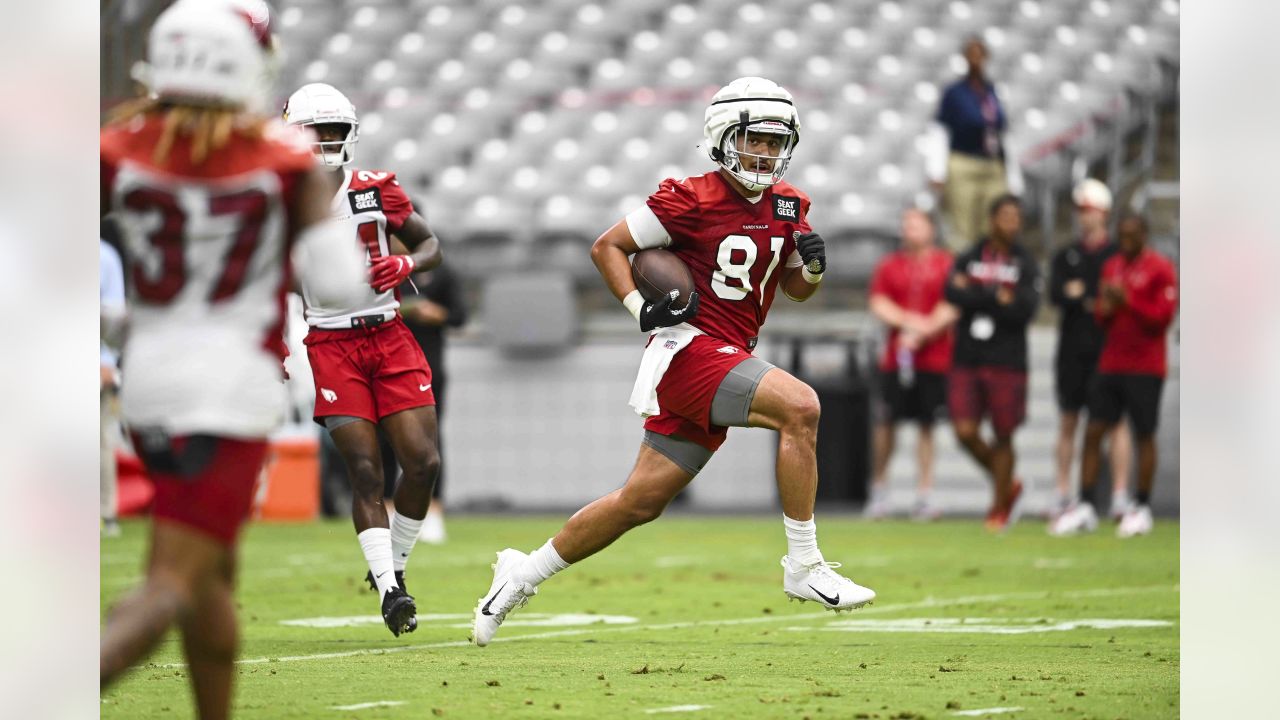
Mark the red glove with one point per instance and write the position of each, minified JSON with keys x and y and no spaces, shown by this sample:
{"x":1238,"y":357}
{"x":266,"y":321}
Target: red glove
{"x":388,"y":272}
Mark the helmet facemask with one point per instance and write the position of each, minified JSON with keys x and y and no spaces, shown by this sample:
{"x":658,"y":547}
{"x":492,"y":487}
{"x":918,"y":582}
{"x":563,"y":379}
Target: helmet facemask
{"x":761,"y":169}
{"x":336,"y":153}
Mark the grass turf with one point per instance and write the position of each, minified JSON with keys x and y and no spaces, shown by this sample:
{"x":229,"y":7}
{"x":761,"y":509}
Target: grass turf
{"x":711,"y":626}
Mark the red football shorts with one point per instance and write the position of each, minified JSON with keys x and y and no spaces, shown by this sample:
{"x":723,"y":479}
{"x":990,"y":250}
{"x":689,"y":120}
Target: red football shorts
{"x":205,"y":482}
{"x":688,"y":387}
{"x":368,"y":373}
{"x":972,"y":392}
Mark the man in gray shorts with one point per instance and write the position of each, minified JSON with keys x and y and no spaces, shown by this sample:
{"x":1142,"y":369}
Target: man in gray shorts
{"x":733,"y":228}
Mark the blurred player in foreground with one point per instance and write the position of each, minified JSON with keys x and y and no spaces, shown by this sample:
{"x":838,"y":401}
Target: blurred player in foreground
{"x":1073,"y":285}
{"x":996,"y":286}
{"x":1136,"y":304}
{"x":742,"y":232}
{"x":369,"y":370}
{"x":216,"y":202}
{"x":906,"y":294}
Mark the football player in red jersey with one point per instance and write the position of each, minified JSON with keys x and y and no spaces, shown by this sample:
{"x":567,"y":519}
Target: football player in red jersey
{"x":215,"y":202}
{"x":369,"y":370}
{"x":743,"y":233}
{"x":1137,"y":300}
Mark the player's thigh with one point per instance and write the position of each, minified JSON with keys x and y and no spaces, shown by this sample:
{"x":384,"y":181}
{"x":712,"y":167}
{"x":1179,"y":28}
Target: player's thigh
{"x":781,"y":399}
{"x":188,"y":558}
{"x":735,"y":395}
{"x":412,"y":434}
{"x":357,"y":442}
{"x":658,"y":476}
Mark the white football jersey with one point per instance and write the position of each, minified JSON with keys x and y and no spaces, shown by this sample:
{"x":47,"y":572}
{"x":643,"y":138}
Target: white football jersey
{"x":374,"y":206}
{"x":208,"y":252}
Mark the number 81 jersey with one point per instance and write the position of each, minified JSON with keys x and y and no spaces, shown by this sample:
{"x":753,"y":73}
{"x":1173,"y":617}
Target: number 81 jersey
{"x":374,"y":206}
{"x":734,"y":247}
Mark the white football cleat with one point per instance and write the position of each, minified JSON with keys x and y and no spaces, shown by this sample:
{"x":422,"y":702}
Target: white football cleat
{"x":504,"y":596}
{"x":1079,"y":518}
{"x":1120,"y":506}
{"x":1135,"y":522}
{"x":822,"y":584}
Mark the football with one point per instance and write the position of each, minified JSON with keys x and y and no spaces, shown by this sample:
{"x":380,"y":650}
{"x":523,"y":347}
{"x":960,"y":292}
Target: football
{"x":658,"y":272}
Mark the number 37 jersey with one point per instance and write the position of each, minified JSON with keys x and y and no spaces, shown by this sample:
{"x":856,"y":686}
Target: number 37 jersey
{"x":208,"y":258}
{"x":734,"y":247}
{"x":374,"y":207}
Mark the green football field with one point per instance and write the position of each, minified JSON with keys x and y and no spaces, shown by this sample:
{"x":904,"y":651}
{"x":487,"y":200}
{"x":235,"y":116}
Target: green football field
{"x":686,"y":618}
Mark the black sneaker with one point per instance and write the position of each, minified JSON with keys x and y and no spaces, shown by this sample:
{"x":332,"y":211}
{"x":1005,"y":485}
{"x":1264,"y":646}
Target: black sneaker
{"x":399,"y":612}
{"x":368,"y":577}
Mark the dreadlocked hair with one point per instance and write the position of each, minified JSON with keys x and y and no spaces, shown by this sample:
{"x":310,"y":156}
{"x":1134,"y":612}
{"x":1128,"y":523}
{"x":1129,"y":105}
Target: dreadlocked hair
{"x":209,"y":126}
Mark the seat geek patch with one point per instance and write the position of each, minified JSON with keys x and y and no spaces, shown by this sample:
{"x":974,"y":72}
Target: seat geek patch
{"x":365,"y":200}
{"x":786,"y":208}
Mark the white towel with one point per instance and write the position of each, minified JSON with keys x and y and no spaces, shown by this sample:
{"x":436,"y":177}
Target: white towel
{"x":663,"y":346}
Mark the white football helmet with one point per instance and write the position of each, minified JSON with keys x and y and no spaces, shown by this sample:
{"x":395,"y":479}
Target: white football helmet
{"x":219,"y":52}
{"x":321,"y":104}
{"x":750,"y":105}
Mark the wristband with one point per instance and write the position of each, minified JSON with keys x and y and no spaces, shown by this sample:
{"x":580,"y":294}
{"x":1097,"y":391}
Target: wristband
{"x":810,"y":277}
{"x":633,"y":302}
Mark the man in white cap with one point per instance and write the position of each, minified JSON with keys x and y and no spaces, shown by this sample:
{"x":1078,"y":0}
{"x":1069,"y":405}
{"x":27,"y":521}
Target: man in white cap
{"x":1073,"y":286}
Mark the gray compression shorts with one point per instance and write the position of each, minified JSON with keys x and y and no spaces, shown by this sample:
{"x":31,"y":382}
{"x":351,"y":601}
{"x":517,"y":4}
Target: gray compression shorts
{"x":333,"y":422}
{"x":730,"y":407}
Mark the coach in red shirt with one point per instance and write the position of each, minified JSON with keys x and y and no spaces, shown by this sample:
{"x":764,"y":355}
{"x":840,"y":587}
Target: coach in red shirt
{"x":1137,"y":300}
{"x":906,"y":294}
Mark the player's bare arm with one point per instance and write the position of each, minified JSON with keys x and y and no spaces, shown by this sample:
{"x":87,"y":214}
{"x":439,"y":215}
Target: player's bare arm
{"x":609,"y":253}
{"x":423,"y":253}
{"x":423,"y":245}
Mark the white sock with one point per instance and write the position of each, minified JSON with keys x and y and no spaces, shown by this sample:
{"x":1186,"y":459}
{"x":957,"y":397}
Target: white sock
{"x":404,"y":535}
{"x":802,"y":541}
{"x":376,"y":544}
{"x":542,"y":564}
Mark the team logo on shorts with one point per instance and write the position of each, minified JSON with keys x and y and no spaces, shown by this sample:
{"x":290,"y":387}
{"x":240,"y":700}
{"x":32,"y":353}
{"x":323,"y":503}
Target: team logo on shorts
{"x":328,"y":394}
{"x":728,"y":350}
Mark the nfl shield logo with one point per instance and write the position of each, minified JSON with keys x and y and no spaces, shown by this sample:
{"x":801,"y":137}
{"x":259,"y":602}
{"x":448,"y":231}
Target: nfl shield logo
{"x":670,"y":344}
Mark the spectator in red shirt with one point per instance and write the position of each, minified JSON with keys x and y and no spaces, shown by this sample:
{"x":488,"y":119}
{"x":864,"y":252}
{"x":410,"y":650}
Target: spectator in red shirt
{"x":906,"y":294}
{"x":1136,"y":304}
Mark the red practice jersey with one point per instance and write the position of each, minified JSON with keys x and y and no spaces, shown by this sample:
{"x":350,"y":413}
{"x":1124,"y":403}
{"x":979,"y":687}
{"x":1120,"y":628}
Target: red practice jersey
{"x":733,"y":247}
{"x":207,"y":247}
{"x":1135,"y":333}
{"x":915,"y":283}
{"x":374,"y":206}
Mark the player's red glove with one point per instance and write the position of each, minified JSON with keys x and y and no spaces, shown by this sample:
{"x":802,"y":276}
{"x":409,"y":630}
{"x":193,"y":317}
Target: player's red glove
{"x":388,"y":272}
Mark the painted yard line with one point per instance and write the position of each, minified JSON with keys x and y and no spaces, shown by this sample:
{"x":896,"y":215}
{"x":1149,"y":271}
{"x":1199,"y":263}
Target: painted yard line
{"x":927,"y":603}
{"x":366,"y":706}
{"x":986,"y":711}
{"x":677,"y":708}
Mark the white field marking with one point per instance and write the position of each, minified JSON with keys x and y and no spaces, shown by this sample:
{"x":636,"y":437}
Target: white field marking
{"x":443,"y":620}
{"x":983,"y":626}
{"x":677,"y":708}
{"x":596,"y":629}
{"x":366,"y":706}
{"x":1053,"y":563}
{"x":986,"y":711}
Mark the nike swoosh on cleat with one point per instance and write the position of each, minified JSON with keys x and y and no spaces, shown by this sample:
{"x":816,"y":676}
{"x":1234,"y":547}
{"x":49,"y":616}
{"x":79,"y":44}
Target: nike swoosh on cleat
{"x":829,"y":601}
{"x":485,"y":610}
